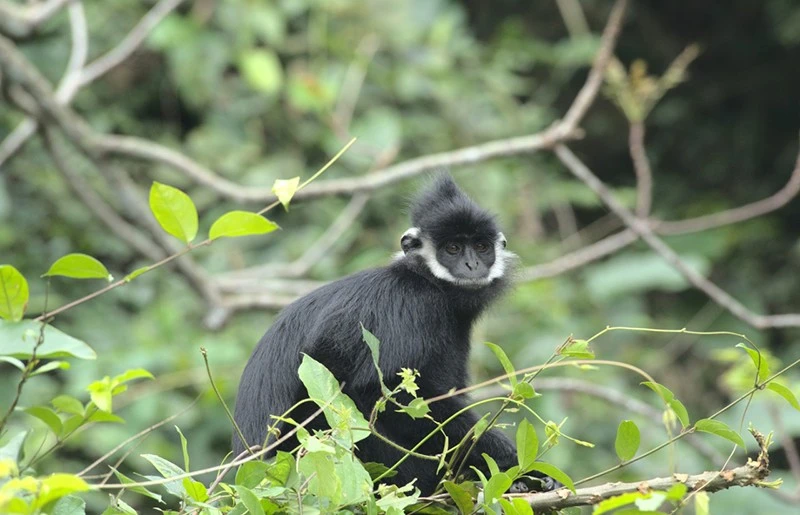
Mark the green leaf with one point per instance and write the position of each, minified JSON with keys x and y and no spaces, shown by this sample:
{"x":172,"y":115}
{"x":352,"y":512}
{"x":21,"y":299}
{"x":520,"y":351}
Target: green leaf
{"x":136,"y":273}
{"x":554,"y":472}
{"x":133,"y":373}
{"x":48,"y":416}
{"x":524,"y":390}
{"x":100,"y":393}
{"x":527,"y":446}
{"x":665,"y":393}
{"x":195,"y":489}
{"x":14,"y":362}
{"x":460,"y":496}
{"x":340,"y":411}
{"x":261,"y":70}
{"x":174,"y":211}
{"x":47,"y":367}
{"x":240,"y":223}
{"x":79,"y":266}
{"x":578,"y":349}
{"x":669,"y":399}
{"x":374,"y":348}
{"x":356,"y":483}
{"x":516,"y":506}
{"x":185,"y":450}
{"x":759,"y":360}
{"x":167,"y":470}
{"x":628,"y":439}
{"x":701,"y":503}
{"x":138,"y":489}
{"x":680,"y":410}
{"x":13,"y":293}
{"x":103,"y":416}
{"x":718,"y":428}
{"x":250,"y":500}
{"x":504,"y":361}
{"x":281,"y":468}
{"x":69,"y":505}
{"x":417,"y":408}
{"x":18,"y":339}
{"x":57,"y":486}
{"x":785,"y":393}
{"x":285,"y":189}
{"x":493,"y":468}
{"x":497,"y":485}
{"x":251,"y":474}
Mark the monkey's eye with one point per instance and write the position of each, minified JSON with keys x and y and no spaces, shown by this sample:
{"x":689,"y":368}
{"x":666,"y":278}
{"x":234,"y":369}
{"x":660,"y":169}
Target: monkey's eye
{"x":481,"y":247}
{"x":452,"y":248}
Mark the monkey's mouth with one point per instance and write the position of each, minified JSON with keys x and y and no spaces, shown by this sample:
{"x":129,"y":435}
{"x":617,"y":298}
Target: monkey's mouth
{"x":473,"y":283}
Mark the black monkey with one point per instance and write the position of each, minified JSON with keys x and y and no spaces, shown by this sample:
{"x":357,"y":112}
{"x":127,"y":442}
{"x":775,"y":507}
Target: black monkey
{"x":421,"y":307}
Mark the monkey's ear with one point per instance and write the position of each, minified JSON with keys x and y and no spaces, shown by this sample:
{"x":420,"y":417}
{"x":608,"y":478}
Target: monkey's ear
{"x":410,"y":240}
{"x":502,"y":238}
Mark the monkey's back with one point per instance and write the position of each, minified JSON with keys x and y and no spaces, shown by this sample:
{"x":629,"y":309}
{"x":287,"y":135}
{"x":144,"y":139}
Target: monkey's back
{"x":392,"y":302}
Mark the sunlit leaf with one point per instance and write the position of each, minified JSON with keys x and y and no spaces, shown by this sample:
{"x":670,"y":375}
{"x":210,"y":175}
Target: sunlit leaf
{"x":79,"y":266}
{"x":374,"y":349}
{"x":13,"y":294}
{"x":57,"y":486}
{"x":759,"y":360}
{"x":504,"y":361}
{"x":167,"y":470}
{"x":285,"y":189}
{"x":138,"y":489}
{"x":52,"y":365}
{"x":174,"y":211}
{"x":195,"y":489}
{"x":136,"y":273}
{"x":46,"y":415}
{"x":417,"y":408}
{"x":17,"y":339}
{"x":134,"y":373}
{"x":516,"y":506}
{"x":67,"y":404}
{"x":495,"y":487}
{"x":578,"y":349}
{"x":785,"y":393}
{"x":261,"y":70}
{"x":340,"y":411}
{"x":720,"y":429}
{"x":14,"y":362}
{"x":524,"y":390}
{"x":627,"y":441}
{"x":240,"y":223}
{"x":527,"y":445}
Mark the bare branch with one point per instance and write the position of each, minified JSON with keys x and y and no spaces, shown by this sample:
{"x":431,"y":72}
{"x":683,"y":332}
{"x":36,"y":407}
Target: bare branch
{"x":641,"y":165}
{"x":99,"y":207}
{"x":738,"y":214}
{"x":580,"y":257}
{"x":587,"y":94}
{"x":76,"y":76}
{"x":643,"y":230}
{"x":750,"y":474}
{"x":21,"y":21}
{"x":129,"y":43}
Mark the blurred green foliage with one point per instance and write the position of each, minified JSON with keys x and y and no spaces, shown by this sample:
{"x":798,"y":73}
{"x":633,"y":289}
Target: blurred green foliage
{"x":254,"y":90}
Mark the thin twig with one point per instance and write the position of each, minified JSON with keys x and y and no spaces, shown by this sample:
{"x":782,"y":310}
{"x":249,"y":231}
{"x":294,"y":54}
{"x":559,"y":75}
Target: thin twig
{"x":641,"y":165}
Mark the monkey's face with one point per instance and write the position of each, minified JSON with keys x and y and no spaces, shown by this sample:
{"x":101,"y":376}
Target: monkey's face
{"x":467,"y":260}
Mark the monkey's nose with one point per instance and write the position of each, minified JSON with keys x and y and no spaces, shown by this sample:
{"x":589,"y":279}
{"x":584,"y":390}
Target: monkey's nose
{"x":471,"y":266}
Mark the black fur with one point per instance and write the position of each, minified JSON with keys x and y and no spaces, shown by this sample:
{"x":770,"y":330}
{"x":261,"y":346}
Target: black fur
{"x":423,"y":323}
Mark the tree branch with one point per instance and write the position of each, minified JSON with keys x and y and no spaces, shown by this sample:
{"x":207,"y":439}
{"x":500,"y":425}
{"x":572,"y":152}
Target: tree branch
{"x":643,"y":230}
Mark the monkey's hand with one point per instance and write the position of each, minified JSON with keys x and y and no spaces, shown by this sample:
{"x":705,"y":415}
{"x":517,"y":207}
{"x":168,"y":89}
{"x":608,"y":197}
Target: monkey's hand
{"x":527,"y":484}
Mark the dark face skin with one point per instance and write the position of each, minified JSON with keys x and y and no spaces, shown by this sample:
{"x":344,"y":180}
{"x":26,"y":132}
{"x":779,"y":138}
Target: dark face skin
{"x":467,"y":257}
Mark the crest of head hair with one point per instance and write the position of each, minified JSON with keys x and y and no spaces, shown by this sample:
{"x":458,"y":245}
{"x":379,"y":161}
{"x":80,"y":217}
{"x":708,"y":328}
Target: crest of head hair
{"x":443,"y":209}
